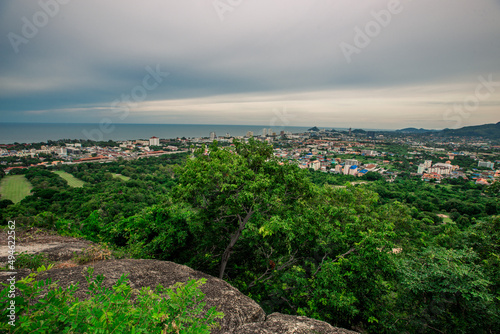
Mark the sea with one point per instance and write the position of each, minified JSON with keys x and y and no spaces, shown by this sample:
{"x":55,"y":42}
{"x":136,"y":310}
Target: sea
{"x":42,"y":132}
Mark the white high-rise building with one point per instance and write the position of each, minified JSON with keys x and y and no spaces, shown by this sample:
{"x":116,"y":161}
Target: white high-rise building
{"x":249,"y":134}
{"x":154,"y":141}
{"x":264,"y":132}
{"x":487,"y":164}
{"x":351,"y":162}
{"x":213,"y":135}
{"x":421,"y":169}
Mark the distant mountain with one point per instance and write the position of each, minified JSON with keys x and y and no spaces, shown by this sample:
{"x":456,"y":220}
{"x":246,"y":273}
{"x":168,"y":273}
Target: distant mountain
{"x":490,"y":131}
{"x":415,"y":130}
{"x":315,"y":129}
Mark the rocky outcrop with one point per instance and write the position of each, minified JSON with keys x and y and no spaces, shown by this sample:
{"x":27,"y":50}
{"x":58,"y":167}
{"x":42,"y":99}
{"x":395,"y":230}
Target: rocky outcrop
{"x":56,"y":247}
{"x":241,"y":314}
{"x":289,"y":324}
{"x":238,"y":309}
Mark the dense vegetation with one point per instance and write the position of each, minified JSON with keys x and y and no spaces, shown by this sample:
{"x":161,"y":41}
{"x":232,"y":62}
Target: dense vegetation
{"x":374,"y":256}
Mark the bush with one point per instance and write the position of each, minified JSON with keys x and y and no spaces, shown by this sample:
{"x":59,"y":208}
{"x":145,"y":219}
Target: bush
{"x":43,"y":307}
{"x":31,"y":261}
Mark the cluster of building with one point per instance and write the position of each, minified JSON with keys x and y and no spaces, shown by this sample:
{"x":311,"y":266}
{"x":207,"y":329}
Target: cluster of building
{"x":74,"y":153}
{"x":320,"y":150}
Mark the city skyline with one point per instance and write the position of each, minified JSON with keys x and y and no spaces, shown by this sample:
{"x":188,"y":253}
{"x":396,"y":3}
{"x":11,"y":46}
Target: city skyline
{"x":383,"y":65}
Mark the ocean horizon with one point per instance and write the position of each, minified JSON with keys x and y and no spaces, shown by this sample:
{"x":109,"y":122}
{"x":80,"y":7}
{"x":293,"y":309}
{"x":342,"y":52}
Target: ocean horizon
{"x":42,"y":132}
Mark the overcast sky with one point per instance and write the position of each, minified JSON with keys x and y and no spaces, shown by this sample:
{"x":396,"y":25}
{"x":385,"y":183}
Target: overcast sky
{"x":331,"y":63}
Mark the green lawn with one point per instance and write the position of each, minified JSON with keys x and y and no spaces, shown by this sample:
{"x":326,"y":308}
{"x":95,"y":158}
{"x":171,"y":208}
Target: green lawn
{"x":15,"y":188}
{"x":72,"y":181}
{"x":123,"y":177}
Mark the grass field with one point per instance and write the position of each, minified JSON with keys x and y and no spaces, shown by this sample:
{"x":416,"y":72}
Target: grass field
{"x":72,"y":181}
{"x":123,"y":177}
{"x":15,"y":188}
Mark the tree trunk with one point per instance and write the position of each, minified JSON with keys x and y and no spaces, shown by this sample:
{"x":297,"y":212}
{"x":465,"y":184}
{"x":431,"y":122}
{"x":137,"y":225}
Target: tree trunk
{"x":234,"y":239}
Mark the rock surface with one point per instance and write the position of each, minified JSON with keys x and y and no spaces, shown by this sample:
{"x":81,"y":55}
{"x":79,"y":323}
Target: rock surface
{"x":241,"y":314}
{"x":289,"y":324}
{"x":238,"y":309}
{"x":57,"y":248}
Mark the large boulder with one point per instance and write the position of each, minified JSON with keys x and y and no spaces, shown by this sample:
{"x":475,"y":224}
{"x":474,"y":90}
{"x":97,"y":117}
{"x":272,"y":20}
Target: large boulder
{"x":278,"y":323}
{"x":241,"y":314}
{"x":238,"y":309}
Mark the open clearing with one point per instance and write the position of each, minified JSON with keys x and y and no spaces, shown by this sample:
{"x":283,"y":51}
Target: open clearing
{"x":123,"y":177}
{"x":72,"y":181}
{"x":15,"y":188}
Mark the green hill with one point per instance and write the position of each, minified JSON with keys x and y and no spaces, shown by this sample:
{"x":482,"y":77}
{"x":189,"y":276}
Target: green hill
{"x":490,"y":131}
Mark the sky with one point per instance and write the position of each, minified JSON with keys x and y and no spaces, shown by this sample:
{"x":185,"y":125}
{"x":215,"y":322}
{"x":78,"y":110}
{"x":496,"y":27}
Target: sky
{"x":378,"y":64}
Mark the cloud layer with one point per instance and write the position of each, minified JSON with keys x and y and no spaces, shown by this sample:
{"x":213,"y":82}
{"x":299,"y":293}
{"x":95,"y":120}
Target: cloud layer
{"x":334,"y":63}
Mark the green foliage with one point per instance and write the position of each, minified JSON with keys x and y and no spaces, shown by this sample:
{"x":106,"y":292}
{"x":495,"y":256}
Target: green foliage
{"x":160,"y":232}
{"x":375,"y":256}
{"x":345,"y":241}
{"x":234,"y":190}
{"x":31,"y":261}
{"x":43,"y":307}
{"x":5,"y":203}
{"x":446,"y":289}
{"x":456,"y":196}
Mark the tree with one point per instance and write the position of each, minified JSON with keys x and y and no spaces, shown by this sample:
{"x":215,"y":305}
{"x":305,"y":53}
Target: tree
{"x":445,"y":290}
{"x":233,"y":188}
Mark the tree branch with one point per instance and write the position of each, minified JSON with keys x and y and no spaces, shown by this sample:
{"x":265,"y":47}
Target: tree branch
{"x":234,"y":238}
{"x":335,"y":260}
{"x":290,"y":261}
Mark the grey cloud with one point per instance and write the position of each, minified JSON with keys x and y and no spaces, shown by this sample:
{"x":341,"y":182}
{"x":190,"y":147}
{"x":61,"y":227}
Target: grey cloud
{"x":91,"y":52}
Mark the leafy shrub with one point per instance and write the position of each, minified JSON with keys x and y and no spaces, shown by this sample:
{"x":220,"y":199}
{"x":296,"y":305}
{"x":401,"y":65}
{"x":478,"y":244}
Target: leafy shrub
{"x":43,"y":307}
{"x":31,"y":261}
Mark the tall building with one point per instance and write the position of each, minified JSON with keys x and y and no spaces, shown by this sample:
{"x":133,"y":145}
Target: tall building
{"x":350,"y":169}
{"x":264,"y":132}
{"x":212,"y":135}
{"x":421,"y":169}
{"x":249,"y":133}
{"x":315,"y":165}
{"x":351,"y":162}
{"x":486,"y":164}
{"x":428,"y":163}
{"x":154,"y":141}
